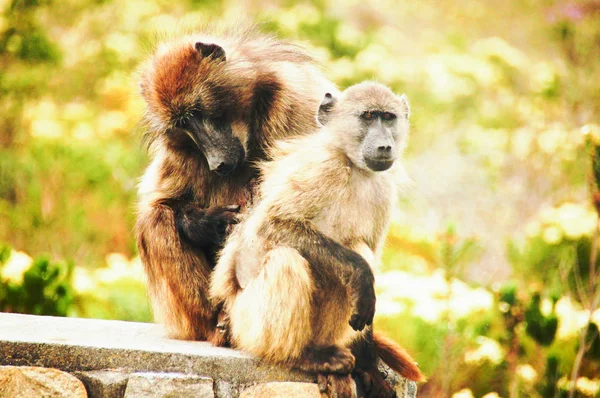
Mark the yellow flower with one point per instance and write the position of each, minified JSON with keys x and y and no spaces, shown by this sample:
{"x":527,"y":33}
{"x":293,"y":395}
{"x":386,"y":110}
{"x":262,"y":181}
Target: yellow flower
{"x":488,"y":350}
{"x":588,"y":387}
{"x":526,"y":373}
{"x":464,"y":393}
{"x":491,"y":395}
{"x":552,"y":235}
{"x":17,"y":264}
{"x":584,"y":385}
{"x":82,"y":280}
{"x":571,"y":318}
{"x":576,"y":220}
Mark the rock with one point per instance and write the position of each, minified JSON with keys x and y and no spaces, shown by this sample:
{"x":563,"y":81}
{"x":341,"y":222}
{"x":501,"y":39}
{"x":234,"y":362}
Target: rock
{"x":30,"y":381}
{"x":172,"y":385}
{"x":403,"y":387}
{"x":104,"y":383}
{"x":282,"y":390}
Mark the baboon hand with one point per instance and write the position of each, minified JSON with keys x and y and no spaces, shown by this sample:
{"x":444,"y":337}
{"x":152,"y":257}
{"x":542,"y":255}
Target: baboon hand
{"x":364,"y":310}
{"x":223,"y":217}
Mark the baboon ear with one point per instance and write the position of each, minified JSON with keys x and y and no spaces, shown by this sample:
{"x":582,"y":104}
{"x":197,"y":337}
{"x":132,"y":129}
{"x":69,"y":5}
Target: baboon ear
{"x":405,"y":106}
{"x":325,"y":108}
{"x":211,"y":50}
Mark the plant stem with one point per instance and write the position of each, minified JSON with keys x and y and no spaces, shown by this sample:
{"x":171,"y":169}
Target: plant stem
{"x":592,"y":305}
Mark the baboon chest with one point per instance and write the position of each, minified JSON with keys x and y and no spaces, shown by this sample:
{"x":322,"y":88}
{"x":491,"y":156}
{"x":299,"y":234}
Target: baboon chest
{"x":357,"y":211}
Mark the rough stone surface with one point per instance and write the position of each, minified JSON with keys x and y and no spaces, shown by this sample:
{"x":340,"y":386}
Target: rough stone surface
{"x":29,"y":381}
{"x":225,"y":389}
{"x":104,"y":383}
{"x":400,"y":385}
{"x":74,"y":344}
{"x":85,"y":345}
{"x":171,"y":385}
{"x":282,"y":390}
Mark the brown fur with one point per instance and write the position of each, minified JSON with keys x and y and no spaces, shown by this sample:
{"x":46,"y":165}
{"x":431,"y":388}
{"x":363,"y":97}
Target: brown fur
{"x":269,"y":90}
{"x":316,"y":194}
{"x":397,"y":358}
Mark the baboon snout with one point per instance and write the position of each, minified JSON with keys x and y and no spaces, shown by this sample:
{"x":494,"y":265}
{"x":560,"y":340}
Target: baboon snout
{"x":224,"y":163}
{"x":379,"y":153}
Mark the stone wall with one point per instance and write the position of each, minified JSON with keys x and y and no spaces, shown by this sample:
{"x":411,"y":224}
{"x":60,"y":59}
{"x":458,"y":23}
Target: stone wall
{"x":126,"y":359}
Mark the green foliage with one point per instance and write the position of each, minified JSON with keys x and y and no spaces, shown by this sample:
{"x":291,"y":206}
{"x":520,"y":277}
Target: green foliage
{"x":45,"y":290}
{"x":592,"y":341}
{"x":549,"y":384}
{"x":542,"y":328}
{"x":4,"y":253}
{"x":508,"y":294}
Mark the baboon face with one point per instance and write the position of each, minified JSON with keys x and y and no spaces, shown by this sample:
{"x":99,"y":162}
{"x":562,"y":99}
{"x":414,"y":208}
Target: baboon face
{"x":213,"y":136}
{"x":198,"y":104}
{"x":379,"y":142}
{"x":371,"y":124}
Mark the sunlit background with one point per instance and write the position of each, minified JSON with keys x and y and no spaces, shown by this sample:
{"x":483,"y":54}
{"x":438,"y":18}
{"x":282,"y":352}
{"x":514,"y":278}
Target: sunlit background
{"x":489,"y":277}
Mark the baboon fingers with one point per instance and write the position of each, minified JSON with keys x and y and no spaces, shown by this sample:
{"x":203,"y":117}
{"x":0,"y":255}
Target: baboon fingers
{"x":336,"y":386}
{"x":332,"y":359}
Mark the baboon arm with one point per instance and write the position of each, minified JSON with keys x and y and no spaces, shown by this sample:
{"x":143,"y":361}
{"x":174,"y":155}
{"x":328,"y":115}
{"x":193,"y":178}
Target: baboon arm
{"x":365,"y":251}
{"x":176,"y":275}
{"x":328,"y":261}
{"x":327,"y":258}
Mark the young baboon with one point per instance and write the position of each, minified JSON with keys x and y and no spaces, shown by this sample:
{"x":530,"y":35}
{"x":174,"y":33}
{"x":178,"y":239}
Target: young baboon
{"x":295,"y":276}
{"x":213,"y":107}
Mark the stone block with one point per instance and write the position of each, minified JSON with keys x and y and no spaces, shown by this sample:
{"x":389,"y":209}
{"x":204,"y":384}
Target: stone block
{"x":171,"y":385}
{"x":282,"y":390}
{"x":31,"y":381}
{"x":104,"y":383}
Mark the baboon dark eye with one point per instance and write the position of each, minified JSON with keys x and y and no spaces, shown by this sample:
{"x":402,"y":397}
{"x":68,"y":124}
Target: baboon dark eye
{"x":368,"y":115}
{"x":388,"y":116}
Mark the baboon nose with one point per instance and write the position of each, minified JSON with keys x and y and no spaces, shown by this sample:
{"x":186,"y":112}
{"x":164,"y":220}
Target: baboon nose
{"x":384,"y":149}
{"x":224,"y":168}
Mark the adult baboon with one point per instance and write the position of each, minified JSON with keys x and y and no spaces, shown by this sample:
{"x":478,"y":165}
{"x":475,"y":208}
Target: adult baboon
{"x":295,"y":277}
{"x":213,"y":107}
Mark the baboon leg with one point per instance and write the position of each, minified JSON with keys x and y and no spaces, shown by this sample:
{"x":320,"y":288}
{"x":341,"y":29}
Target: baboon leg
{"x":177,"y":282}
{"x":374,"y":384}
{"x":332,"y":359}
{"x":366,"y":371}
{"x":272,"y":316}
{"x":333,"y":385}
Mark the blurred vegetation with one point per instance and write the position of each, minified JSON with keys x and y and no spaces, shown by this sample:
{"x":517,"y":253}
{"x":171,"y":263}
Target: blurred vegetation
{"x":490,"y":276}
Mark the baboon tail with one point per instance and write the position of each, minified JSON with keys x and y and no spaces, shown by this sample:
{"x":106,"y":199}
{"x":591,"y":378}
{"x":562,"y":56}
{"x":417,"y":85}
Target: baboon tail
{"x":397,"y":358}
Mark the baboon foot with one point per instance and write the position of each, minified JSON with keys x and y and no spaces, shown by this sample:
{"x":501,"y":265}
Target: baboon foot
{"x":220,"y":336}
{"x":336,"y":386}
{"x":374,"y":385}
{"x":332,"y":359}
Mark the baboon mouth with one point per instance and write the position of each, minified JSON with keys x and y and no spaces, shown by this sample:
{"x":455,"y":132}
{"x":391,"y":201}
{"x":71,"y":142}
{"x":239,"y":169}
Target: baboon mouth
{"x":379,"y":164}
{"x":225,"y":169}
